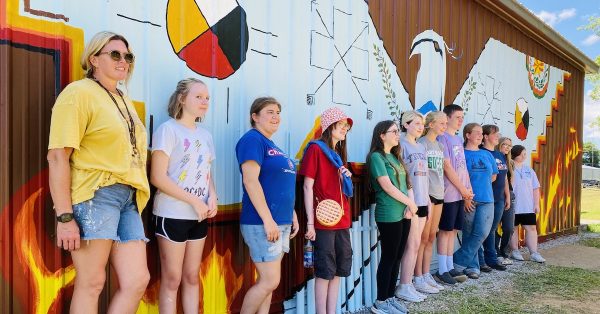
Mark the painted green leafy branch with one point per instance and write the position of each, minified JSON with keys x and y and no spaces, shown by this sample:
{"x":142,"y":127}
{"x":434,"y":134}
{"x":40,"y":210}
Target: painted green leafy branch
{"x":387,"y":83}
{"x":472,"y":85}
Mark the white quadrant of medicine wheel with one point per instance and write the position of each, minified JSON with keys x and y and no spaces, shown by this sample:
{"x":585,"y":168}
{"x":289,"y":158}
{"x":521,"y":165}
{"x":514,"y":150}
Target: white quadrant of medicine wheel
{"x":215,"y":10}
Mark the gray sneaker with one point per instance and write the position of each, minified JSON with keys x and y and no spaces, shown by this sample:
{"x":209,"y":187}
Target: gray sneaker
{"x":383,"y":307}
{"x":398,"y":305}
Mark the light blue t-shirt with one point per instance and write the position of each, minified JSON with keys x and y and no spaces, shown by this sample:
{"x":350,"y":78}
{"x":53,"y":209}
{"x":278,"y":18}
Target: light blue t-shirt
{"x":481,"y":166}
{"x":524,"y":182}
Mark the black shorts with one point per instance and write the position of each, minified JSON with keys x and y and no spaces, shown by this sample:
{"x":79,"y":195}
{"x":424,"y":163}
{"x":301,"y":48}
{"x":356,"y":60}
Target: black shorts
{"x":332,"y":253}
{"x":422,"y":211}
{"x":525,"y":219}
{"x":436,"y":201}
{"x":180,"y":230}
{"x":453,"y":216}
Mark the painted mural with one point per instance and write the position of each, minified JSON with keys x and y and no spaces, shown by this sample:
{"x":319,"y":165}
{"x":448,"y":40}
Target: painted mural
{"x":308,"y":54}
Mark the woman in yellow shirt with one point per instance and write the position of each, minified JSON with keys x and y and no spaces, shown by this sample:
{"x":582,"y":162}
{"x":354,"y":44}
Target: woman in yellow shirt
{"x":97,"y":173}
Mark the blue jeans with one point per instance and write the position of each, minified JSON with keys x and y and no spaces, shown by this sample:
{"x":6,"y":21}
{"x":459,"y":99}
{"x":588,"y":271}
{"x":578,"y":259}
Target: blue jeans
{"x":508,"y":225}
{"x":487,"y":253}
{"x":476,"y":228}
{"x":261,"y":249}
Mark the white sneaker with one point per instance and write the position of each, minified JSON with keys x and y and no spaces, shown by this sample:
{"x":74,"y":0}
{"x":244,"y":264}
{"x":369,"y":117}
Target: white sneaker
{"x":405,"y":293}
{"x":516,"y":255}
{"x":537,"y":257}
{"x":505,"y":261}
{"x":430,"y":281}
{"x":383,"y":307}
{"x":423,"y":296}
{"x":422,"y":286}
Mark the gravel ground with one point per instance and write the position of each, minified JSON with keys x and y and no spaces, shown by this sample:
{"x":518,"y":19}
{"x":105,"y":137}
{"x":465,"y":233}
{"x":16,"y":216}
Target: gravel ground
{"x":488,"y":283}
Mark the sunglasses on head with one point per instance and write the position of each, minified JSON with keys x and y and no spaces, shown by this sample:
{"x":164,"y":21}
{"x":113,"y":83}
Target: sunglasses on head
{"x":116,"y":56}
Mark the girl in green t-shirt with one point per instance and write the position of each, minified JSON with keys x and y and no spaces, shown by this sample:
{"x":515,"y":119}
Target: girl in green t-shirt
{"x":394,"y":209}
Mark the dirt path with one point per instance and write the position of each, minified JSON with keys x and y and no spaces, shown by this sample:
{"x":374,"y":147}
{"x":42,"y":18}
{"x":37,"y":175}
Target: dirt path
{"x":573,"y":255}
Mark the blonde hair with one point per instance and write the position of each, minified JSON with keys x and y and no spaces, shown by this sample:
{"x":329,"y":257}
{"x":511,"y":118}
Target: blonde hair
{"x":175,"y":107}
{"x":432,"y":117}
{"x":94,"y":47}
{"x":509,"y":161}
{"x":408,"y":117}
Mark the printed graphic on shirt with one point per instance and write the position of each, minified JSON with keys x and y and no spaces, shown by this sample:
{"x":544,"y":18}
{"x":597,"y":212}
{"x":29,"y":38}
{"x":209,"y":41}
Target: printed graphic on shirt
{"x":435,"y":161}
{"x":477,"y":165}
{"x":501,"y":165}
{"x":457,"y":150}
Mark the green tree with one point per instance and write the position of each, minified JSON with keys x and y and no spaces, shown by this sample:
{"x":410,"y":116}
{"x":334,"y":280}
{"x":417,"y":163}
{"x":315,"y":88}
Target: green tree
{"x":591,"y":154}
{"x":594,"y":26}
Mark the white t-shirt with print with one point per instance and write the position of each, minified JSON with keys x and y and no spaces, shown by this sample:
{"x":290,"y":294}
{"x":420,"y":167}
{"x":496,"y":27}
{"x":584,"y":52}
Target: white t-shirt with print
{"x":191,"y":153}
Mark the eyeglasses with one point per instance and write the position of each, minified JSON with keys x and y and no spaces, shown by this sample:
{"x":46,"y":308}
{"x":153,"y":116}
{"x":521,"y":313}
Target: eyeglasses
{"x":393,"y":131}
{"x":117,"y":55}
{"x":507,"y":145}
{"x":344,"y":125}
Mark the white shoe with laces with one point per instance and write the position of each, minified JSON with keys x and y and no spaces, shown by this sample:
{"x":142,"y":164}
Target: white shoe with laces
{"x":430,"y":281}
{"x":537,"y":257}
{"x":422,"y":286}
{"x":516,"y":255}
{"x":404,"y":292}
{"x":422,"y":295}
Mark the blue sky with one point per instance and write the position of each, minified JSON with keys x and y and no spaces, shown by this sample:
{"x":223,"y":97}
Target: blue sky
{"x":566,"y":17}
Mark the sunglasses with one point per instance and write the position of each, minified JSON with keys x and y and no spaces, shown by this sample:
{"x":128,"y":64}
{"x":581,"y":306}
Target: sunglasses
{"x":116,"y":56}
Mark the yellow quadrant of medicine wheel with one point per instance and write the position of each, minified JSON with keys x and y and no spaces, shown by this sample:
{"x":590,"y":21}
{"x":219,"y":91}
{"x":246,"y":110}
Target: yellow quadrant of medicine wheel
{"x":185,"y":23}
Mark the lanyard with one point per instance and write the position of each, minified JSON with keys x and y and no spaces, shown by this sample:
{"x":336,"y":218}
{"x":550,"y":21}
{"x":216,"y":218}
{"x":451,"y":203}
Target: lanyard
{"x":130,"y":123}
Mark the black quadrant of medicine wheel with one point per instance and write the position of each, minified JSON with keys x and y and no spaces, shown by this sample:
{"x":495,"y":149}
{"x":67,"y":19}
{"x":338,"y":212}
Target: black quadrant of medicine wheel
{"x":232,"y":33}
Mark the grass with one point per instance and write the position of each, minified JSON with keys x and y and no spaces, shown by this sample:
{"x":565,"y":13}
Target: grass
{"x":593,"y":242}
{"x":552,"y":289}
{"x":595,"y":228}
{"x":590,"y":204}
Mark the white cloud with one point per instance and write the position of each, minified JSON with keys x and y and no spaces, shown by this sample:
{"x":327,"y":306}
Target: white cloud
{"x":590,"y":40}
{"x":591,"y":110}
{"x":553,"y":18}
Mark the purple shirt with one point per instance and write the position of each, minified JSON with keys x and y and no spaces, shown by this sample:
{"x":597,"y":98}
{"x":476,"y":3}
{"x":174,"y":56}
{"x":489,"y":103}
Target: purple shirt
{"x":455,"y":153}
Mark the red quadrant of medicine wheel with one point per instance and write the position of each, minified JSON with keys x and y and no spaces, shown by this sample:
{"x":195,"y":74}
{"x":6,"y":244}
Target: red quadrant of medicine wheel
{"x":204,"y":56}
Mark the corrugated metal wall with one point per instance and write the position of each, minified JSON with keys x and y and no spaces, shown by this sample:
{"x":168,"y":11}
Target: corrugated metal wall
{"x":39,"y":53}
{"x":469,"y":24}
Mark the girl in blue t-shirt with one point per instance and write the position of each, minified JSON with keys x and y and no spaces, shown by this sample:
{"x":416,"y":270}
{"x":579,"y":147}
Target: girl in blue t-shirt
{"x":182,"y":153}
{"x":268,"y":220}
{"x":488,"y":259}
{"x":479,"y":212}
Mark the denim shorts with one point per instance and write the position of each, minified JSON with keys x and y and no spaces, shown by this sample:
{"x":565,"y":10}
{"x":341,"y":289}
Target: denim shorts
{"x":261,"y":249}
{"x":110,"y":215}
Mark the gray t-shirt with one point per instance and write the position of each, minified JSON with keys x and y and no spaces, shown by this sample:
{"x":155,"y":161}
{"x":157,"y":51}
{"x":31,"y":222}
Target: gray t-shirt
{"x":435,"y":164}
{"x":415,"y":159}
{"x":191,"y":153}
{"x":455,"y":153}
{"x":524,"y":182}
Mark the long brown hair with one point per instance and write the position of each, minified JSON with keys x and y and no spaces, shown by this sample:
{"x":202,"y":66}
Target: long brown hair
{"x":340,"y":147}
{"x":377,"y":147}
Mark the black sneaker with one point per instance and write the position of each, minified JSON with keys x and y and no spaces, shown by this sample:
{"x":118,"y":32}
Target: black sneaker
{"x":485,"y":268}
{"x":458,"y":276}
{"x":444,"y":278}
{"x":471,"y":274}
{"x":498,"y":267}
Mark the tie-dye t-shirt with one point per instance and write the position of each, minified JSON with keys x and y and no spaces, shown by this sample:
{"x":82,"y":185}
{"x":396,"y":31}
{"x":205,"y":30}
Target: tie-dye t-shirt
{"x":191,"y":153}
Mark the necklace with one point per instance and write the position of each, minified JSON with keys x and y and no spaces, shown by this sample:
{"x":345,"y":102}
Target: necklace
{"x":130,"y":123}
